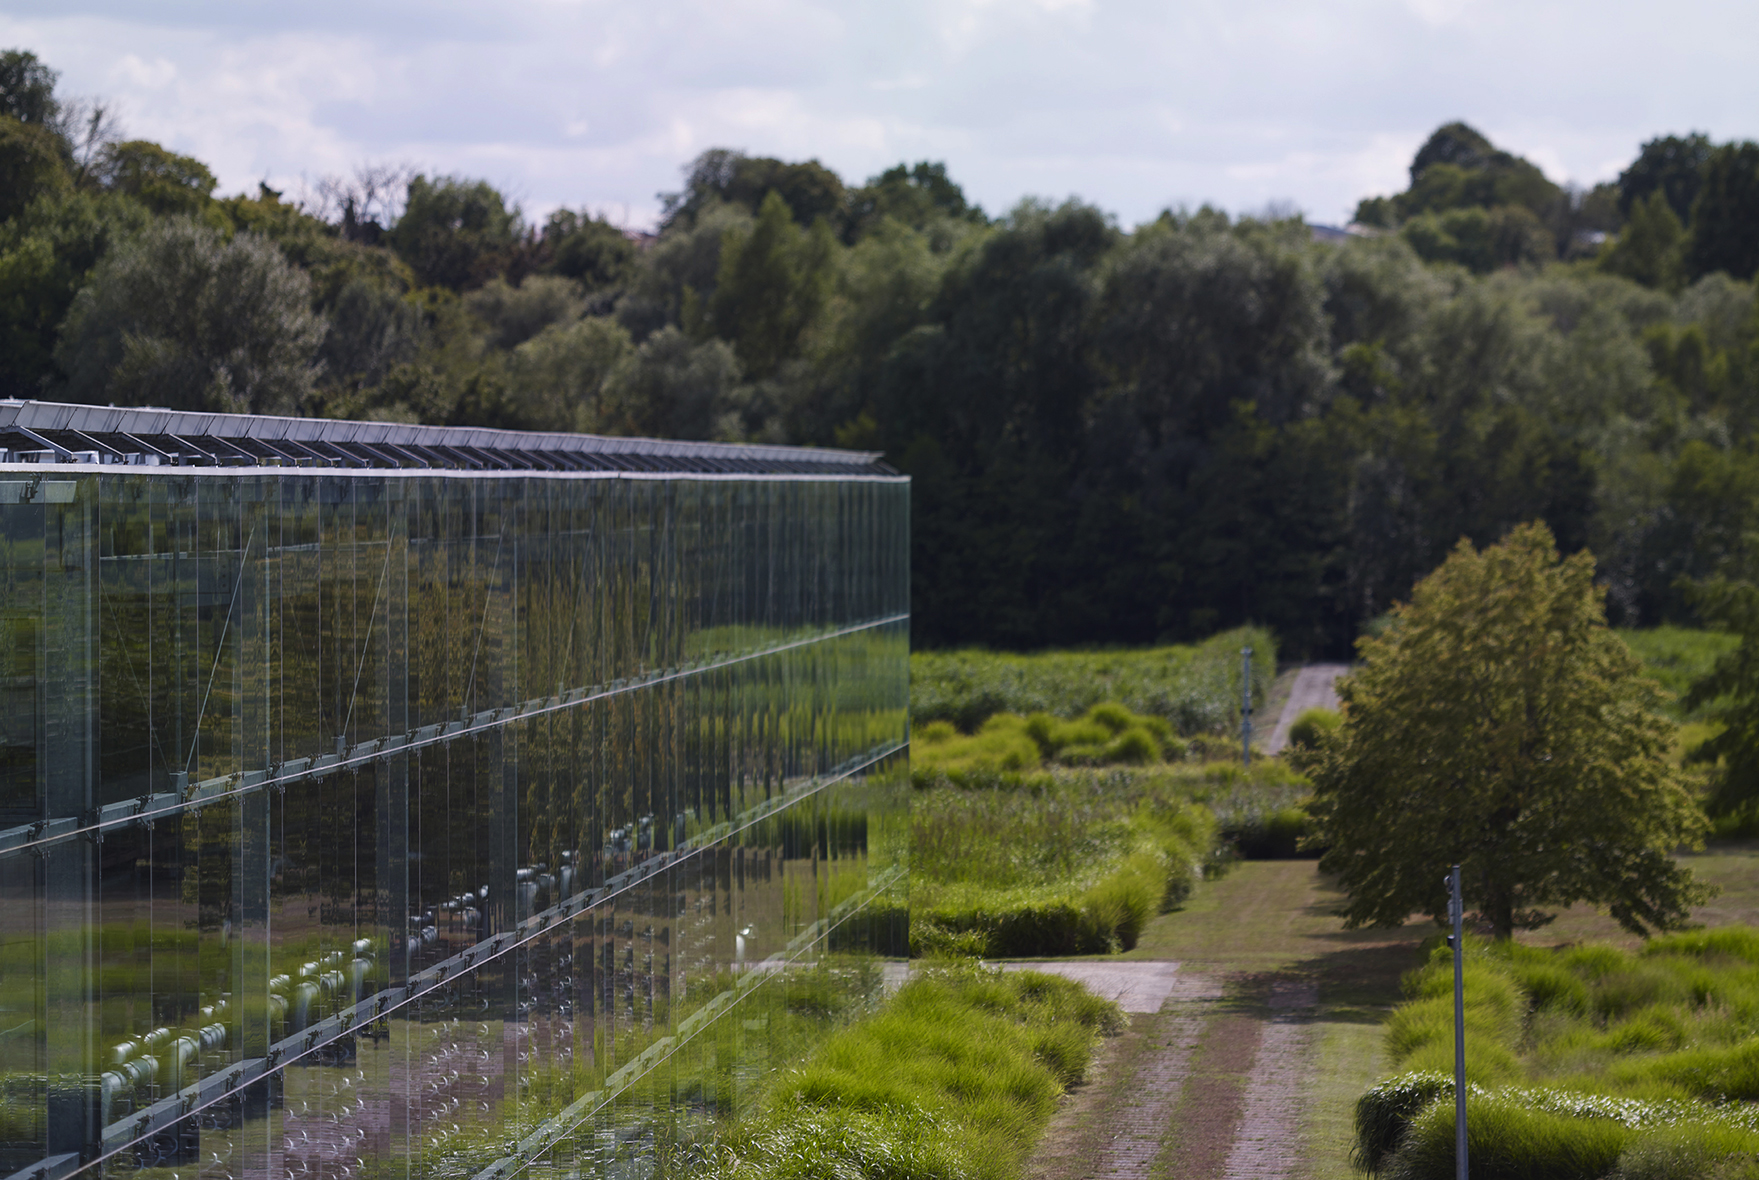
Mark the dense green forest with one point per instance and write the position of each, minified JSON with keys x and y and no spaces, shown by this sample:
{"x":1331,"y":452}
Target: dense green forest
{"x":1116,"y":435}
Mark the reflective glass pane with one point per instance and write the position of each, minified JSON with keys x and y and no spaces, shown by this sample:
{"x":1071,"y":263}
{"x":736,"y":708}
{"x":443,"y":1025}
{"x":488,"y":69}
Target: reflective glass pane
{"x":370,"y":821}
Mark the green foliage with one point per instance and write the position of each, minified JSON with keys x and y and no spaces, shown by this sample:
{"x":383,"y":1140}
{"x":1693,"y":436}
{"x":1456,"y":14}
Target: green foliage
{"x":1312,"y":725}
{"x":168,"y":184}
{"x":27,"y":88}
{"x":1001,"y":745}
{"x":1675,"y":657}
{"x":673,"y":387}
{"x":1672,"y":165}
{"x":372,"y":329}
{"x":1652,"y":1055}
{"x":1495,"y":722}
{"x":1068,"y":862}
{"x":953,"y":1079}
{"x":919,"y":196}
{"x":1652,"y":248}
{"x":514,"y":315}
{"x":180,"y":317}
{"x":1509,"y":1139}
{"x":455,"y":233}
{"x":589,"y":250}
{"x":30,"y":165}
{"x":1481,"y":240}
{"x":1728,"y":696}
{"x":45,"y":257}
{"x":1193,"y":689}
{"x":809,"y":191}
{"x":1474,"y":205}
{"x":772,"y":282}
{"x":1284,"y":833}
{"x":563,"y":378}
{"x":1106,"y":735}
{"x":1137,"y":435}
{"x":1725,"y":215}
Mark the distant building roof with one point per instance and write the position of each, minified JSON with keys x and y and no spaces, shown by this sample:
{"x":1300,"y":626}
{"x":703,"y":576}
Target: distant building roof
{"x":1332,"y":233}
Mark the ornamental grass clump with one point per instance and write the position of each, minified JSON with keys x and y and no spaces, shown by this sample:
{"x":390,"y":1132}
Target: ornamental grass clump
{"x":953,"y":1078}
{"x":1585,"y":1061}
{"x":1007,"y":747}
{"x":1074,"y":864}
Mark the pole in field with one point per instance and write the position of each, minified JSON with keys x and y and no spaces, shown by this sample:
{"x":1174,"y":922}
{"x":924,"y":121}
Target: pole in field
{"x":1246,"y":706}
{"x":1456,"y":913}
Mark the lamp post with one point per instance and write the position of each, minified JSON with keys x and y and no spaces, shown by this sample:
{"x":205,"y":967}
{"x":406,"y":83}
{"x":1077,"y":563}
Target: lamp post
{"x":1456,"y":913}
{"x":1246,"y":706}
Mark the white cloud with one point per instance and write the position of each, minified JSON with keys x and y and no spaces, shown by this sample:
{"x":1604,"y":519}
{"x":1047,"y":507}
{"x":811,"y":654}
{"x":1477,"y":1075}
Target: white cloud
{"x":1133,"y":104}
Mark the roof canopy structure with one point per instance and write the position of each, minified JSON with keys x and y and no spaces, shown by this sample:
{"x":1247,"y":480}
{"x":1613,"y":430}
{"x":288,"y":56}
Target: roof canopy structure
{"x":51,"y":432}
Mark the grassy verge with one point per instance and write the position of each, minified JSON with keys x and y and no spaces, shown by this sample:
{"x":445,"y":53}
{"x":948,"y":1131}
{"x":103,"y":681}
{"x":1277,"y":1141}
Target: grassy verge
{"x":1076,"y":861}
{"x":1583,"y":1059}
{"x":953,"y":1078}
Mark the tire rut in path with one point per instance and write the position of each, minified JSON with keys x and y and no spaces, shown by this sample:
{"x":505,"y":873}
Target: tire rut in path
{"x":1139,"y":1122}
{"x":1267,"y":1143}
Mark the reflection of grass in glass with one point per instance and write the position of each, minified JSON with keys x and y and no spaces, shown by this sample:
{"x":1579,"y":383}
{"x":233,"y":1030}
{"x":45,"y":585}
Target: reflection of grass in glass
{"x":122,"y":976}
{"x":955,"y":1076}
{"x":774,"y":1018}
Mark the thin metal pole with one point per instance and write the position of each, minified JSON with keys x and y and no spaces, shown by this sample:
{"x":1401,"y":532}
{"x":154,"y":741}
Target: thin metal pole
{"x":1245,"y":706}
{"x":1456,"y":911}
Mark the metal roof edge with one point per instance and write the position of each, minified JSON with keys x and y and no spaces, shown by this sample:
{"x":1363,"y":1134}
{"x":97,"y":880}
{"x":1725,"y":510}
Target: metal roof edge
{"x":40,"y":415}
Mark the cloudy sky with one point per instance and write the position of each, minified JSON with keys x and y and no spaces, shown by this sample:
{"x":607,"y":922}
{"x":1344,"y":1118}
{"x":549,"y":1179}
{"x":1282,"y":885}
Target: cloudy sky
{"x":1131,"y":105}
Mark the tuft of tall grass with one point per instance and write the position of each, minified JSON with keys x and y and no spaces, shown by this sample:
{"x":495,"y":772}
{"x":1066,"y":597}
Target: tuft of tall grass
{"x":953,"y":1078}
{"x":1077,"y":864}
{"x":1311,"y":724}
{"x":1691,"y":1151}
{"x":1404,"y":1128}
{"x":1508,"y":1139}
{"x":1420,"y":1032}
{"x":1007,"y":745}
{"x":1666,"y":1037}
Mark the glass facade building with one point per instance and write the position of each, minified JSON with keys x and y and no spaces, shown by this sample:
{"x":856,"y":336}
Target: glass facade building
{"x":381,"y":800}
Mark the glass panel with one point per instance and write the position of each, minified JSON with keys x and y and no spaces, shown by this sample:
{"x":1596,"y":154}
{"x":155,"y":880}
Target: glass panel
{"x":360,"y":821}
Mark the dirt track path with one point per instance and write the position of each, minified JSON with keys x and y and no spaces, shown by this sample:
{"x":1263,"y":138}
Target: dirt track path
{"x":1248,"y":1067}
{"x":1315,"y":687}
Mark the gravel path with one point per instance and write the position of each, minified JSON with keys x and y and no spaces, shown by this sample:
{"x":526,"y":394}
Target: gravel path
{"x":1138,"y":1123}
{"x":1251,"y":1065}
{"x":1315,"y":688}
{"x":1137,"y":987}
{"x":1267,"y":1144}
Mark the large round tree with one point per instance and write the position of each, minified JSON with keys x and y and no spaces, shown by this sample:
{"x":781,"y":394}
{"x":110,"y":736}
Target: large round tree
{"x":1500,"y":725}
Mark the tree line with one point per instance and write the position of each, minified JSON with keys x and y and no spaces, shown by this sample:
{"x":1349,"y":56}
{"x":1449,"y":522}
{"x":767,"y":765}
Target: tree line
{"x":1116,"y":435}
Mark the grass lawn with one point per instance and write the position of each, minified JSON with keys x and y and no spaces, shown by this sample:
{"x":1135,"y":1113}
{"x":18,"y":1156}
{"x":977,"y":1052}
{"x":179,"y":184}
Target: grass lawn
{"x":1732,"y":866}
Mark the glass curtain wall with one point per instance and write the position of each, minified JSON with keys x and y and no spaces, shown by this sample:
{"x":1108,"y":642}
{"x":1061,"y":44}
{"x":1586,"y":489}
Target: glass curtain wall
{"x":377,"y":823}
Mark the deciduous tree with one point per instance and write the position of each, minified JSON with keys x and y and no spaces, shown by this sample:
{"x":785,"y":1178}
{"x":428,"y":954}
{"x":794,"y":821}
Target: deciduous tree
{"x":1500,"y":725}
{"x":181,"y":317}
